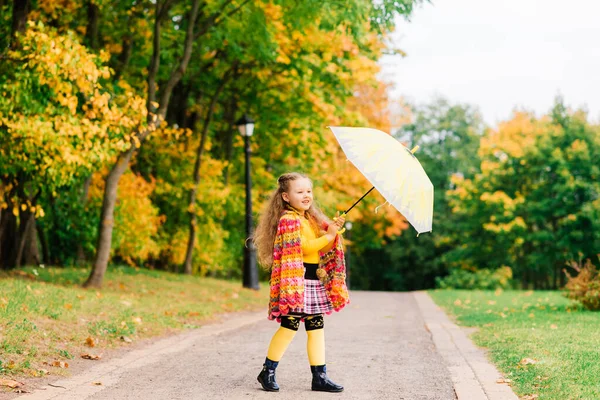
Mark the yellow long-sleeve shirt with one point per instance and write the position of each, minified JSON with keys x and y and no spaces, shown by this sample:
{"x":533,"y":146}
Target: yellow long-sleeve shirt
{"x":311,"y":244}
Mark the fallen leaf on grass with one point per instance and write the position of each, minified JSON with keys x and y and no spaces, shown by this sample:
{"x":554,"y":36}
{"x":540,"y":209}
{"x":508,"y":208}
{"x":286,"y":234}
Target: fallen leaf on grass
{"x":137,"y":320}
{"x":90,"y":341}
{"x":89,"y":356}
{"x":503,"y":380}
{"x":193,"y":314}
{"x":10,"y":383}
{"x":530,"y":397}
{"x":43,"y":371}
{"x":68,"y":306}
{"x":553,"y":326}
{"x":528,"y":361}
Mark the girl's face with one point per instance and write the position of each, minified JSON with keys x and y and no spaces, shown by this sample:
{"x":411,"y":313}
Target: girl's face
{"x":299,"y":195}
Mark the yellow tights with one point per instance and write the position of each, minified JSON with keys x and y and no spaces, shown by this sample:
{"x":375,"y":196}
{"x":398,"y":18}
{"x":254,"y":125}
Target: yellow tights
{"x":315,"y":345}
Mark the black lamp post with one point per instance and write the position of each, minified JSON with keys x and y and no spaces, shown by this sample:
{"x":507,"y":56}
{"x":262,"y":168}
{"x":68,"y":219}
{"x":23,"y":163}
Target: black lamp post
{"x":348,"y":227}
{"x":250,"y":275}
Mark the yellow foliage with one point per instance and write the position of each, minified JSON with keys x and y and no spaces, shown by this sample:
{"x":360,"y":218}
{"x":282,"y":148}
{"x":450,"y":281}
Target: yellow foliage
{"x":137,"y":220}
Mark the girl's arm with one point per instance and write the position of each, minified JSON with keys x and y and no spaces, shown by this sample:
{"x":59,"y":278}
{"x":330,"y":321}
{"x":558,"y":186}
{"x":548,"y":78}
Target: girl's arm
{"x":338,"y":224}
{"x":314,"y":245}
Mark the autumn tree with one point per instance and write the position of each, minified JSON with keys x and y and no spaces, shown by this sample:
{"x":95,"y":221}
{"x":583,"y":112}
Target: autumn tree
{"x":59,"y":121}
{"x":534,"y":205}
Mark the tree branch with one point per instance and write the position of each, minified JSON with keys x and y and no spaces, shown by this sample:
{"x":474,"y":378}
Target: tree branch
{"x":213,"y":20}
{"x":177,"y":74}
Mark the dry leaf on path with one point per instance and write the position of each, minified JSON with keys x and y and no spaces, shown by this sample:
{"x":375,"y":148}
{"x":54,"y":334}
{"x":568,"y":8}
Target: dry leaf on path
{"x":530,"y":397}
{"x":97,"y":383}
{"x":10,"y":383}
{"x":90,"y":341}
{"x":88,"y":356}
{"x":503,"y":380}
{"x":60,"y":364}
{"x":126,"y":339}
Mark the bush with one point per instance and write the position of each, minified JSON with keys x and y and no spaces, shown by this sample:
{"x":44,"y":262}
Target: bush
{"x":483,"y":279}
{"x":585,"y":287}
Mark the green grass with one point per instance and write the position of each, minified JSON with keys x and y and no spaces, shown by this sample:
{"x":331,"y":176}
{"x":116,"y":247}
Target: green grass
{"x":46,"y":316}
{"x":561,"y":337}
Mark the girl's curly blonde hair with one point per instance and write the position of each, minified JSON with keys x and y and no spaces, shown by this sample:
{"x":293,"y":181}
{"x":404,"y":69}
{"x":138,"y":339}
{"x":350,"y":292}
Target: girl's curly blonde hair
{"x":264,"y":235}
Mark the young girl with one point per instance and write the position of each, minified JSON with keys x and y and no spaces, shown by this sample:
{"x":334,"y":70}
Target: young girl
{"x":304,"y":253}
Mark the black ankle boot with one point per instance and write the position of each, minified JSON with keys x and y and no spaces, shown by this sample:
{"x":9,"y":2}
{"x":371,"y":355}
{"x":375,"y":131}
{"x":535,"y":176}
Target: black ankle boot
{"x":267,"y":376}
{"x":321,"y":382}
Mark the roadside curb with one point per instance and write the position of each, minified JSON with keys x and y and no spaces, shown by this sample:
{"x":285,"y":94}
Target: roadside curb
{"x":473,"y":376}
{"x":83,"y":385}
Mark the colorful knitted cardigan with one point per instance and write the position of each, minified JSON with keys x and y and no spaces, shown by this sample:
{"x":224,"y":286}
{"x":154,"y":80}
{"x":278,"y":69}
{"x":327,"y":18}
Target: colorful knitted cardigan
{"x":287,"y":273}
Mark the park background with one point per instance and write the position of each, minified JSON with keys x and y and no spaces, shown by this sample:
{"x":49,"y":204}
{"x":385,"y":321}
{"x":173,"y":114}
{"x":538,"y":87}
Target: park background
{"x":120,"y":154}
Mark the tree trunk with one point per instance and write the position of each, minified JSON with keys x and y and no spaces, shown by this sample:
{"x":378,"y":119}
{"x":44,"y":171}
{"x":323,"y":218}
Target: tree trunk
{"x":8,"y":230}
{"x":19,"y":20}
{"x":26,"y":221}
{"x":107,"y":219}
{"x":124,"y":57}
{"x":154,"y":62}
{"x":230,"y":126}
{"x":31,"y":254}
{"x":44,"y":244}
{"x":92,"y":27}
{"x":187,"y":265}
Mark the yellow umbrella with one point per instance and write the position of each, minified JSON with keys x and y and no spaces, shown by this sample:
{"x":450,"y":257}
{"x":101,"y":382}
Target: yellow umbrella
{"x":392,"y":169}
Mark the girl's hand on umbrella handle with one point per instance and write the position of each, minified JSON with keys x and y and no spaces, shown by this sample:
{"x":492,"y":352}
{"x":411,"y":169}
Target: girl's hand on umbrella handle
{"x":339,"y":221}
{"x":332,"y":231}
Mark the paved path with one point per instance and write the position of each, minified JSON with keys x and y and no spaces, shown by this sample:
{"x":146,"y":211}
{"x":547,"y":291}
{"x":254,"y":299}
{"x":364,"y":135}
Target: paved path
{"x":383,"y":346}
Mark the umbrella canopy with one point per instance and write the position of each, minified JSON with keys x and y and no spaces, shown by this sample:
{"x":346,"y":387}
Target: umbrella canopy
{"x":393,"y":170}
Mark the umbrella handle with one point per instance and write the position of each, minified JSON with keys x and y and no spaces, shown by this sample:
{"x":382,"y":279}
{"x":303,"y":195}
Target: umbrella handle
{"x":344,"y":228}
{"x":358,"y":201}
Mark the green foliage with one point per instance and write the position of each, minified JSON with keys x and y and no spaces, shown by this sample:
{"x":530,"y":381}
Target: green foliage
{"x":536,"y":202}
{"x":585,"y":286}
{"x":481,"y":279}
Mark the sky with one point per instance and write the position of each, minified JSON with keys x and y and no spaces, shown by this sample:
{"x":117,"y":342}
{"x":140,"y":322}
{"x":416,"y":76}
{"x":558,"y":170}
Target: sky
{"x":500,"y":55}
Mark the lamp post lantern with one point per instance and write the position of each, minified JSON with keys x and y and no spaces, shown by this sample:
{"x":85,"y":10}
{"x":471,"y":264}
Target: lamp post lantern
{"x":348,"y":227}
{"x":250,"y":274}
